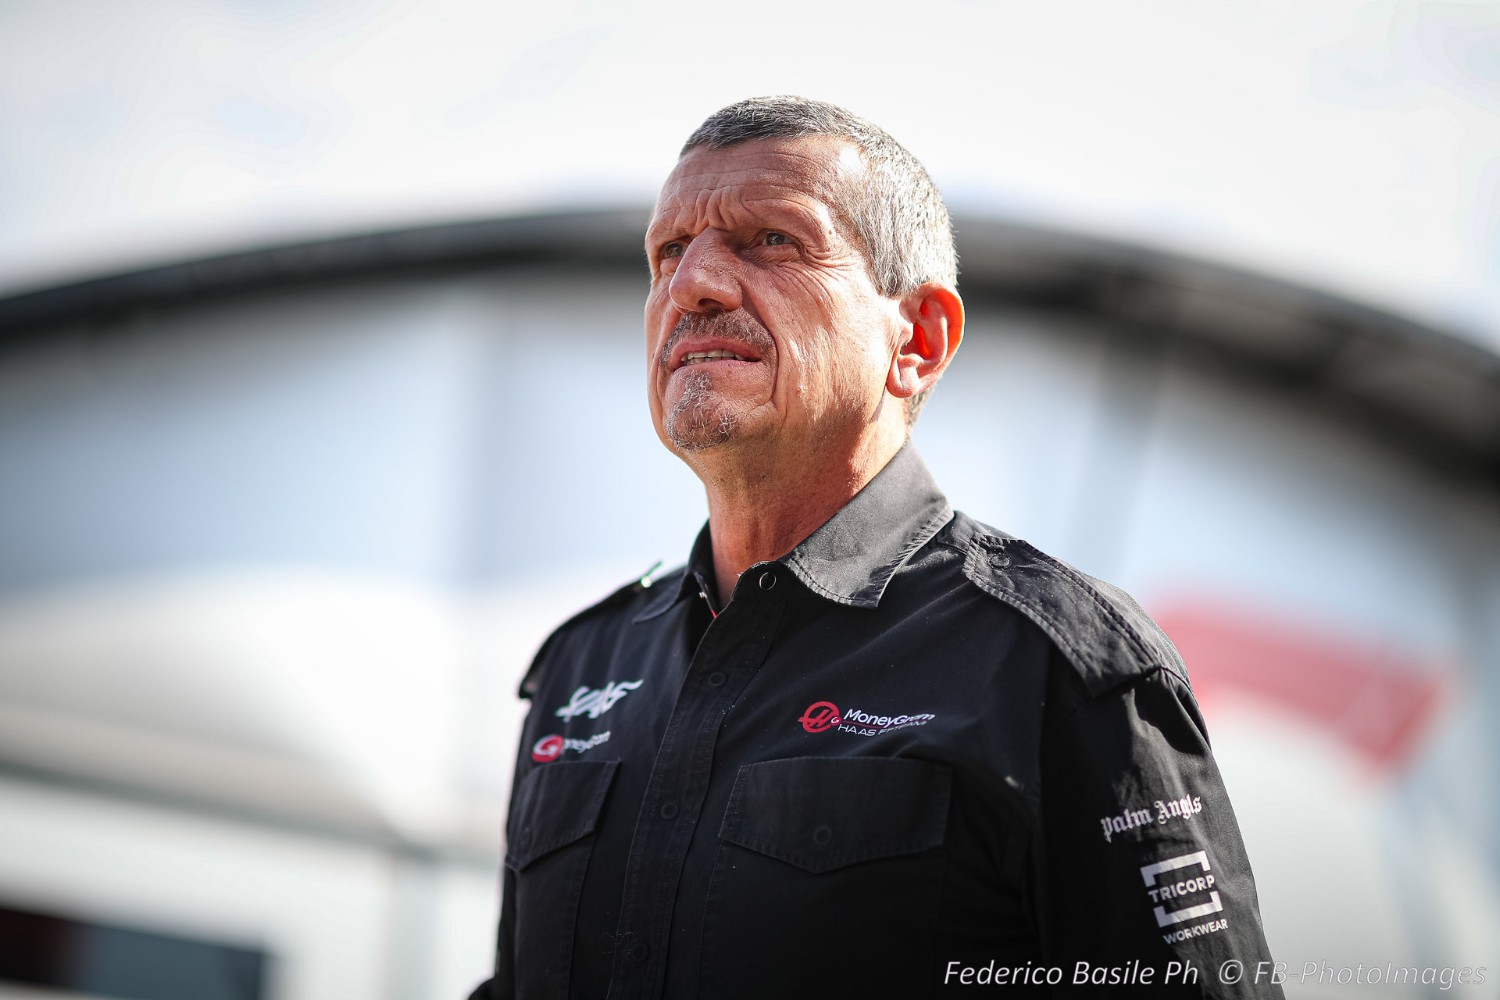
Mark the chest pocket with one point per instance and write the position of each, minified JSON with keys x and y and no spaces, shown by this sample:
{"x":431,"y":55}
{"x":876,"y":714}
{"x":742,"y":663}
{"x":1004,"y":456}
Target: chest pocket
{"x":549,"y":838}
{"x":822,"y":856}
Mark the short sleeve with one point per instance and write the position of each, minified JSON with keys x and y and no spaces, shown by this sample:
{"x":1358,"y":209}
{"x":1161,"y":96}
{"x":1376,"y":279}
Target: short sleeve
{"x":1143,"y":886}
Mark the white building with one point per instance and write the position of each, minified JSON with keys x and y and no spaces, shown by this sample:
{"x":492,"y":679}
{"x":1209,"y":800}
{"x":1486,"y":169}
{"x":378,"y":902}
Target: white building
{"x":282,"y":529}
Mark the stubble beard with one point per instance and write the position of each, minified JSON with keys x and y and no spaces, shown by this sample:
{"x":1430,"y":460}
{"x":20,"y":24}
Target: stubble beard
{"x":699,"y":419}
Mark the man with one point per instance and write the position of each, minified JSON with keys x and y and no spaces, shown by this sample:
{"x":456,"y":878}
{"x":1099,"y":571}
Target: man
{"x":860,"y":745}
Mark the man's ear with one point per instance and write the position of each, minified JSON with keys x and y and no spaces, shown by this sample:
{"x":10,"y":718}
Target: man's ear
{"x":932,"y":328}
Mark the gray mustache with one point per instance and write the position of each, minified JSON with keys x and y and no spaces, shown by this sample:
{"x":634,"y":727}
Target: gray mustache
{"x":738,"y":326}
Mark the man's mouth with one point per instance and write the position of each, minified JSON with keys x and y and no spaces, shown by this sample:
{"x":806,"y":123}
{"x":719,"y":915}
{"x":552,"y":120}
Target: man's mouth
{"x":694,"y":357}
{"x":698,"y":339}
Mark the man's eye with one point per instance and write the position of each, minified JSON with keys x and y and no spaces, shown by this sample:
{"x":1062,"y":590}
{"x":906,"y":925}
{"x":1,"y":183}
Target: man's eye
{"x":776,"y":240}
{"x":673,"y":249}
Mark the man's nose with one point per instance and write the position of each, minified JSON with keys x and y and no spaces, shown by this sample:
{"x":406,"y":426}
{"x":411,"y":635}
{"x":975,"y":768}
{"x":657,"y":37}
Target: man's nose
{"x":706,"y":279}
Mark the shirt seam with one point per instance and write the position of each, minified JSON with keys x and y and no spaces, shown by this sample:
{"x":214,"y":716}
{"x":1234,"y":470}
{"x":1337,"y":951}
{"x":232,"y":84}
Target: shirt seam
{"x":1055,"y":632}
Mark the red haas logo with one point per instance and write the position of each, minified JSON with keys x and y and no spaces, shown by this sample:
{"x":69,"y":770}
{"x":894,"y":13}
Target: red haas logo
{"x":820,"y":717}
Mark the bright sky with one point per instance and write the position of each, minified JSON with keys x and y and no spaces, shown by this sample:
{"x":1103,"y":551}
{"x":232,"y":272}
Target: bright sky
{"x":1351,"y":146}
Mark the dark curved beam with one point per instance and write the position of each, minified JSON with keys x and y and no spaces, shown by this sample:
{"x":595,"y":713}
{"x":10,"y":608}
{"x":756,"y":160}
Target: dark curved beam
{"x":1417,"y":385}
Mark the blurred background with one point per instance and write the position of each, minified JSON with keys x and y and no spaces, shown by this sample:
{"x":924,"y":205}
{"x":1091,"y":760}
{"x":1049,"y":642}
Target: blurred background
{"x":321,"y":402}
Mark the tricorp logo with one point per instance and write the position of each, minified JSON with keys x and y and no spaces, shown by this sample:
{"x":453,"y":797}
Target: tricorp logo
{"x":547,"y":748}
{"x":820,"y":716}
{"x":1166,"y":884}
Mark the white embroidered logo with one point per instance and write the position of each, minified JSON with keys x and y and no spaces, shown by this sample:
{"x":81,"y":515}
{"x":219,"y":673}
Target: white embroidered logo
{"x":595,"y":703}
{"x":1184,"y":808}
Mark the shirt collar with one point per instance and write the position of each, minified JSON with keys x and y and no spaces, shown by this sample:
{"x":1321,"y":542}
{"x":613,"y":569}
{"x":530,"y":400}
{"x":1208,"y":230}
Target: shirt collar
{"x":852,"y":557}
{"x":699,"y":569}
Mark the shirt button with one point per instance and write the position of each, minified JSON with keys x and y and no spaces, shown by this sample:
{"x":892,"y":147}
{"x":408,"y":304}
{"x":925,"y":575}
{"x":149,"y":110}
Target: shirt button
{"x":668,"y":810}
{"x":638,"y":952}
{"x":716,"y":679}
{"x":767,"y":580}
{"x":823,"y":836}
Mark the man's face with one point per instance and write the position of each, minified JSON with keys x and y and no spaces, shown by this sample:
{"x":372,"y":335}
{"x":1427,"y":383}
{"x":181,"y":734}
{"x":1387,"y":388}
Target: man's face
{"x":763,"y":326}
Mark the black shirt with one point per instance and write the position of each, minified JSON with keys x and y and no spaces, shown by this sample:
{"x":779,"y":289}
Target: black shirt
{"x":915,"y":755}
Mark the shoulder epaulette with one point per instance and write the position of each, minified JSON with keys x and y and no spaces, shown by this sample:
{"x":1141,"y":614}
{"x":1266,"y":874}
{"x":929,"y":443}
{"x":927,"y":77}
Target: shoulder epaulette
{"x":621,"y":596}
{"x":1099,"y":628}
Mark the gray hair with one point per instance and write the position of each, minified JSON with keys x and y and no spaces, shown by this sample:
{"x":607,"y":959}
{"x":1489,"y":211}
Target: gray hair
{"x":897,"y":213}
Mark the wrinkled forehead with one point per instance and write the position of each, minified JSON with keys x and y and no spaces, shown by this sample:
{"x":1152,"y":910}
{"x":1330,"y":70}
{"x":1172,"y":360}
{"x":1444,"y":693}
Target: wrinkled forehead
{"x":816,"y":174}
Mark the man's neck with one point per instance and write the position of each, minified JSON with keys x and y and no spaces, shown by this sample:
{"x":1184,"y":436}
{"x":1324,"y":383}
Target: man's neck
{"x":760,"y":510}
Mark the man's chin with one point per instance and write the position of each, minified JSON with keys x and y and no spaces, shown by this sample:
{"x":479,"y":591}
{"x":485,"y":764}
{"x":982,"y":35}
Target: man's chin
{"x":700,"y":419}
{"x":699,"y":432}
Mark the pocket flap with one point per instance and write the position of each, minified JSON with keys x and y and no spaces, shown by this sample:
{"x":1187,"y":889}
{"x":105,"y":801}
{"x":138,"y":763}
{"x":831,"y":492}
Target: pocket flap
{"x":556,"y":804}
{"x":821,"y":813}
